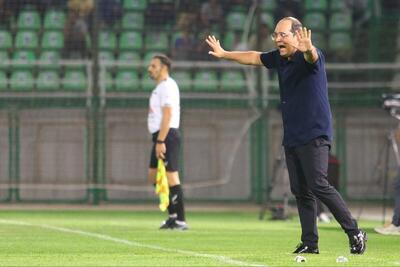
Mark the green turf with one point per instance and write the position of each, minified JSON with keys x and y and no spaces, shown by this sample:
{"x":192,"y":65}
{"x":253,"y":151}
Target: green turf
{"x":127,"y":238}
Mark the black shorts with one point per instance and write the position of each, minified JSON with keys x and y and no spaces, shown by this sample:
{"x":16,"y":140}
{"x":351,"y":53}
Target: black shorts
{"x":172,"y":143}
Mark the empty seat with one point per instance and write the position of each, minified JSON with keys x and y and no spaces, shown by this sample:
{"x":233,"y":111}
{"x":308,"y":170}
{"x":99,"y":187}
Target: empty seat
{"x":51,"y":60}
{"x":157,"y":41}
{"x":235,"y":20}
{"x":233,"y":80}
{"x":106,"y":56}
{"x":183,"y":79}
{"x":4,"y":58}
{"x":107,"y":81}
{"x":24,"y":59}
{"x":74,"y":80}
{"x":131,"y":41}
{"x":129,"y":57}
{"x":317,"y":5}
{"x":135,"y":5}
{"x":53,"y":40}
{"x":21,"y":80}
{"x":147,"y":83}
{"x":315,"y":21}
{"x":205,"y":81}
{"x":338,"y":6}
{"x":127,"y":81}
{"x":107,"y":40}
{"x":3,"y":81}
{"x":133,"y":21}
{"x":54,"y":20}
{"x":5,"y":40}
{"x":148,"y":56}
{"x":268,"y":5}
{"x":48,"y":80}
{"x":340,"y":21}
{"x":29,"y":20}
{"x":26,"y":40}
{"x":340,"y":41}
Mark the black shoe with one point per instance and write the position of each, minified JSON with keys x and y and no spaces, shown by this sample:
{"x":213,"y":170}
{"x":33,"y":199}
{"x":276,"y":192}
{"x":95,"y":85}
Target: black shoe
{"x":167,"y":223}
{"x":358,"y":243}
{"x":179,"y":226}
{"x":301,"y":248}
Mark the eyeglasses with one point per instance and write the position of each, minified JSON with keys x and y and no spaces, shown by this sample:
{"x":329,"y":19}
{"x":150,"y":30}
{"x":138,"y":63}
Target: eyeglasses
{"x":275,"y":35}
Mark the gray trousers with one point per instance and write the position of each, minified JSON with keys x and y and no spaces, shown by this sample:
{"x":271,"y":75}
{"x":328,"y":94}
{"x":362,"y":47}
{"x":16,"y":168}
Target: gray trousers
{"x":308,"y":168}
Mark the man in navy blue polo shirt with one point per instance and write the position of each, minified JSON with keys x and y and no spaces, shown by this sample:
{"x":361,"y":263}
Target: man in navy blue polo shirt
{"x":307,"y":127}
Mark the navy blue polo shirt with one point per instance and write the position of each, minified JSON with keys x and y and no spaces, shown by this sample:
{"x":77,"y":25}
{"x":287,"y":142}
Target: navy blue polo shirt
{"x":305,"y":106}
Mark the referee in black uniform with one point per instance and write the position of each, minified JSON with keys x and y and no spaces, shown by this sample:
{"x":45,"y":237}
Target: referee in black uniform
{"x":163,"y":123}
{"x":307,"y":127}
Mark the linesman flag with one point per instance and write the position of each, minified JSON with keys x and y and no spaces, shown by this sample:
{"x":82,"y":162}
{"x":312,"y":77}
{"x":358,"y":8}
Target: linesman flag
{"x":162,"y":188}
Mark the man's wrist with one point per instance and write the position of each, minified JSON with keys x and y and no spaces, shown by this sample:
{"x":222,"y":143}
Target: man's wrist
{"x":160,"y":141}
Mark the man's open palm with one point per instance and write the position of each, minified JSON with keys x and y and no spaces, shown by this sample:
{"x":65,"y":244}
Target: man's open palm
{"x":304,"y":38}
{"x":218,"y":51}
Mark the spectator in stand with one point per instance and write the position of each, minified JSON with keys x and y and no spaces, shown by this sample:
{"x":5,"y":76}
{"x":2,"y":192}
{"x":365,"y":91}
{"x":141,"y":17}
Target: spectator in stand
{"x":110,"y":11}
{"x":202,"y":48}
{"x":76,"y":30}
{"x":211,"y":14}
{"x":261,"y":41}
{"x":184,"y":42}
{"x":6,"y":12}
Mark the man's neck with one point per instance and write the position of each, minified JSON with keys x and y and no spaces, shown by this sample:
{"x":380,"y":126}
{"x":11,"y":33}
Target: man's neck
{"x":162,"y":78}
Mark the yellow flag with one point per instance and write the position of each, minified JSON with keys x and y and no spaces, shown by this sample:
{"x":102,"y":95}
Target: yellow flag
{"x":162,"y":188}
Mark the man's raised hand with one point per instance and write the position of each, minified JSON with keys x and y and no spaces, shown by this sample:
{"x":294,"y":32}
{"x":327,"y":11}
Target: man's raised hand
{"x":217,"y":50}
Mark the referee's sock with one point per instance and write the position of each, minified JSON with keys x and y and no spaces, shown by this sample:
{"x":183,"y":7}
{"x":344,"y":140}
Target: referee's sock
{"x":176,"y":201}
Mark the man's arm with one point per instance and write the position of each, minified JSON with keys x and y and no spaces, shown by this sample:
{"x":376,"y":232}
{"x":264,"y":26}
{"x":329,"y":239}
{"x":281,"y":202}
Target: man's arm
{"x":164,"y":129}
{"x":245,"y":57}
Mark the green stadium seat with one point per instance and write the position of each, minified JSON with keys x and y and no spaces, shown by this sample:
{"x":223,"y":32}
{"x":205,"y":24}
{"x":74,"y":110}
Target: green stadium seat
{"x":133,"y":21}
{"x":127,"y":81}
{"x":109,"y":82}
{"x":52,"y":58}
{"x":4,"y":58}
{"x":131,"y":41}
{"x":316,"y":21}
{"x":26,"y":40}
{"x":205,"y":81}
{"x":147,"y":83}
{"x":129,"y":57}
{"x":268,"y":5}
{"x":5,"y":40}
{"x":317,"y":5}
{"x":319,"y":40}
{"x":3,"y":81}
{"x":268,"y":18}
{"x":29,"y":20}
{"x":340,"y":41}
{"x":74,"y":80}
{"x":107,"y":40}
{"x":135,"y":5}
{"x":106,"y":56}
{"x":25,"y":59}
{"x":52,"y":40}
{"x":233,"y":80}
{"x":156,"y":41}
{"x":340,"y":21}
{"x":148,"y":56}
{"x":235,"y":20}
{"x":338,"y":6}
{"x":54,"y":20}
{"x":183,"y":79}
{"x":48,"y":80}
{"x":21,"y":80}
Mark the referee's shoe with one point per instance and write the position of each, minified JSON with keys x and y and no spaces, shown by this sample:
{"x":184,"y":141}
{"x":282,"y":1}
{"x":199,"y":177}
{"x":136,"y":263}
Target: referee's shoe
{"x":301,"y":248}
{"x":358,"y":243}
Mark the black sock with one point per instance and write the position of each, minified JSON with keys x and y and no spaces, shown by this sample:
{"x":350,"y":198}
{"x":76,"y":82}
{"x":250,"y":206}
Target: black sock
{"x":171,"y":206}
{"x":176,"y":201}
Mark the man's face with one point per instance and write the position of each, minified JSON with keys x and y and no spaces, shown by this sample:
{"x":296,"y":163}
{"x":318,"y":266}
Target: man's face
{"x":284,"y":38}
{"x":155,"y":68}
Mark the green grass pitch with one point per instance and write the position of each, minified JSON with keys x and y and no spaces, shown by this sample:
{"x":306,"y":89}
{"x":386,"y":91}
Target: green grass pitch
{"x":131,"y":238}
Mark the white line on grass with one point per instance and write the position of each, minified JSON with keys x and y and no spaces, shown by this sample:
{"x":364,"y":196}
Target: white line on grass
{"x":220,"y":258}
